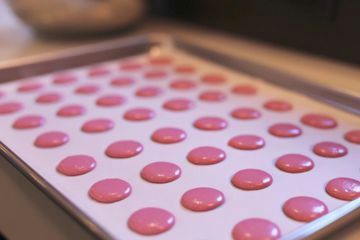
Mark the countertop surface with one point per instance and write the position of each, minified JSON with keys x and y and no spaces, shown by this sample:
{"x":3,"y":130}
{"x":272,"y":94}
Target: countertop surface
{"x":28,"y":213}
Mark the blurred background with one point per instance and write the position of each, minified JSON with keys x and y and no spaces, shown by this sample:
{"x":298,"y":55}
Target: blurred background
{"x":325,"y":27}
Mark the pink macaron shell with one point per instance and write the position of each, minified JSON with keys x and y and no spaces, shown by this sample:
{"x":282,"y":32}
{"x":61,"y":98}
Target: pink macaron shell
{"x":29,"y":121}
{"x":247,"y":142}
{"x":304,"y":209}
{"x":161,"y":172}
{"x":342,"y":188}
{"x":251,"y":179}
{"x":110,"y":190}
{"x":124,"y":149}
{"x":98,"y":125}
{"x":151,"y":221}
{"x":256,"y":229}
{"x":168,"y":135}
{"x":10,"y":107}
{"x":202,"y":199}
{"x":294,"y":163}
{"x":51,"y":139}
{"x":210,"y":123}
{"x":330,"y":149}
{"x":321,"y":121}
{"x":206,"y":155}
{"x":139,"y":114}
{"x":76,"y":165}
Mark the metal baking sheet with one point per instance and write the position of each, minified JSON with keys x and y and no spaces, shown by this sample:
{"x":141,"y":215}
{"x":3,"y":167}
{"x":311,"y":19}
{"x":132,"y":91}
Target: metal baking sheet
{"x":238,"y":70}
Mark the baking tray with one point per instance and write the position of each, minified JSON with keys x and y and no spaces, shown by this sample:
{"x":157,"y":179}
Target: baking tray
{"x":100,"y":52}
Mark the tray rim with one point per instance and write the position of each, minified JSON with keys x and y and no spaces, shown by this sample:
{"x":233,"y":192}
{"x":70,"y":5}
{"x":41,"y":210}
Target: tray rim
{"x":313,"y":230}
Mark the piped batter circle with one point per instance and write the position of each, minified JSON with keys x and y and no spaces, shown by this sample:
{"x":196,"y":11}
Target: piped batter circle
{"x":149,"y":91}
{"x":294,"y":163}
{"x":110,"y":190}
{"x":245,"y":113}
{"x":139,"y":114}
{"x":285,"y":130}
{"x":168,"y":135}
{"x":71,"y":110}
{"x":206,"y":155}
{"x":247,"y":142}
{"x":330,"y":149}
{"x":342,"y":188}
{"x":98,"y":125}
{"x":48,"y":98}
{"x":178,"y":104}
{"x":210,"y":123}
{"x":76,"y":165}
{"x":182,"y":84}
{"x":28,"y":122}
{"x":256,"y":229}
{"x":10,"y":107}
{"x":111,"y":100}
{"x":124,"y":149}
{"x":212,"y":96}
{"x":202,"y":199}
{"x":304,"y":209}
{"x":353,"y":136}
{"x":161,"y":172}
{"x":51,"y":139}
{"x":151,"y":221}
{"x":251,"y":179}
{"x":319,"y":121}
{"x":278,"y":105}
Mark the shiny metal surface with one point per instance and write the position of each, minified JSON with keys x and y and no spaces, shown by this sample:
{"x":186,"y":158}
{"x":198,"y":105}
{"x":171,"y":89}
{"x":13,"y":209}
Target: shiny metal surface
{"x":78,"y":16}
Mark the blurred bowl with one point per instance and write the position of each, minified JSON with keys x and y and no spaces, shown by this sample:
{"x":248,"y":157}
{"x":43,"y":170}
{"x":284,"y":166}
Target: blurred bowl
{"x":78,"y":16}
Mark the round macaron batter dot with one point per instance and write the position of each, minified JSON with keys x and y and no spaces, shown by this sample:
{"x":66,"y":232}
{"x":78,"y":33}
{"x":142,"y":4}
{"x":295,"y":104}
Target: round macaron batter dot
{"x":251,"y":179}
{"x":285,"y":130}
{"x":48,"y":98}
{"x":353,"y":136}
{"x":87,"y":89}
{"x":178,"y":104}
{"x":149,"y":91}
{"x":76,"y":165}
{"x":161,"y":172}
{"x":139,"y":114}
{"x":29,"y":121}
{"x":319,"y":121}
{"x":212,"y":96}
{"x":29,"y":87}
{"x":210,"y":123}
{"x":294,"y":163}
{"x":51,"y":139}
{"x":110,"y":190}
{"x":247,"y":142}
{"x":10,"y":107}
{"x":342,"y":188}
{"x":168,"y":135}
{"x":122,"y":81}
{"x":206,"y":155}
{"x":151,"y":221}
{"x":245,"y":113}
{"x":278,"y":105}
{"x":202,"y":199}
{"x":98,"y":125}
{"x":110,"y":100}
{"x":330,"y":149}
{"x":124,"y":149}
{"x":304,"y":209}
{"x":71,"y":110}
{"x":256,"y":229}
